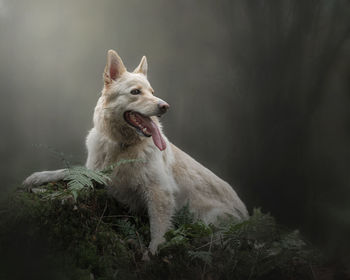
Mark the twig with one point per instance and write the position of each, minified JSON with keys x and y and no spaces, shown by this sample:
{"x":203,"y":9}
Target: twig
{"x":209,"y":251}
{"x":99,"y":221}
{"x":254,"y":264}
{"x":119,"y":216}
{"x":312,"y":272}
{"x":209,"y":243}
{"x":138,"y":238}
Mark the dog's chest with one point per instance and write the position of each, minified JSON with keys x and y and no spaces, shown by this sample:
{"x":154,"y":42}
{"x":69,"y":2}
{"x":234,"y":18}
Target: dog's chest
{"x":136,"y":168}
{"x":132,"y":176}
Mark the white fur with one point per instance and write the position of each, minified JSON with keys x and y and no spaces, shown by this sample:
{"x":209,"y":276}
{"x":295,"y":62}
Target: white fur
{"x":159,"y":182}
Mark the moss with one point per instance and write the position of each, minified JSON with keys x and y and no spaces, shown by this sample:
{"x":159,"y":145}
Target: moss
{"x":56,"y":237}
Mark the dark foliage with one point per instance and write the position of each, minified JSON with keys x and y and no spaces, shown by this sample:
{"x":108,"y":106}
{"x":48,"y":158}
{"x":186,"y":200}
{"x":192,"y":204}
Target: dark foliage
{"x":57,"y":237}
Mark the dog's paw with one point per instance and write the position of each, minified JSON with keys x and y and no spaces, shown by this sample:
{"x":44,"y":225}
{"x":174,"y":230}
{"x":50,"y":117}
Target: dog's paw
{"x":145,"y":256}
{"x":35,"y":180}
{"x":153,"y":246}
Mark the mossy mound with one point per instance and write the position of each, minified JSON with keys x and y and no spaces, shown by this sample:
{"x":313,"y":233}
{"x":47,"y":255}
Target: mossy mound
{"x":48,"y":236}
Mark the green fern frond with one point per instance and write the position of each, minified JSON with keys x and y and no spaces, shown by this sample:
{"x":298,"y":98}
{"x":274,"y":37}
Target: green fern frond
{"x":126,"y":228}
{"x":80,"y":178}
{"x":204,"y":256}
{"x":183,"y":216}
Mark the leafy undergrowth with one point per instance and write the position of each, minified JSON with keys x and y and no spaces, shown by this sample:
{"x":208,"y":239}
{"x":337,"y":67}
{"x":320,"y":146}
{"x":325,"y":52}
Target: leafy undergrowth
{"x":46,"y":235}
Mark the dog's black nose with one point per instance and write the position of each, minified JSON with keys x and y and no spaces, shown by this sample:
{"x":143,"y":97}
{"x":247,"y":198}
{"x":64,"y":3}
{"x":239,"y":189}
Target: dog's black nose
{"x":163,"y":106}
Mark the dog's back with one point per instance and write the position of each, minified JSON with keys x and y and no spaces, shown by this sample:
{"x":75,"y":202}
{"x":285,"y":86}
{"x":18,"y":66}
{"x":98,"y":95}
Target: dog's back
{"x":205,"y":192}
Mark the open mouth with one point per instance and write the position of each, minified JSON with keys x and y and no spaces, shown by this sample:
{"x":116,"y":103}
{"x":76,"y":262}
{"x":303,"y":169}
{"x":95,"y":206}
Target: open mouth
{"x":146,"y":127}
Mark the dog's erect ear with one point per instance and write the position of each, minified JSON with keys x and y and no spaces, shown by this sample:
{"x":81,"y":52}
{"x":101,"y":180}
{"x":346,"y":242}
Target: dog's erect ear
{"x":114,"y":67}
{"x":142,"y":68}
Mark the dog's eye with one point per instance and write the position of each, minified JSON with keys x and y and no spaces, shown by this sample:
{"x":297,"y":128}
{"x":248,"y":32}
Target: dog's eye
{"x":135,"y":91}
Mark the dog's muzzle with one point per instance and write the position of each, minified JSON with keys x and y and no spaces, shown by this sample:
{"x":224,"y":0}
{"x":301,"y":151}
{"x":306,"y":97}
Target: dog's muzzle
{"x":163,"y":107}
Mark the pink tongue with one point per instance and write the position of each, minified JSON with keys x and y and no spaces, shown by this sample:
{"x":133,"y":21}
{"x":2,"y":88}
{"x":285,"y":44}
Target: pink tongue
{"x":156,"y":136}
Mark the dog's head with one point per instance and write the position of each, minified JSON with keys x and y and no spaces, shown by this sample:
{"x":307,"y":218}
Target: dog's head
{"x":128,"y":108}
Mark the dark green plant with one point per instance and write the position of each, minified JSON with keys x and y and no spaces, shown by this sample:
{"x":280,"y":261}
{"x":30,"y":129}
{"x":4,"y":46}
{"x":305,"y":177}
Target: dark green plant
{"x":79,"y":178}
{"x":95,"y":237}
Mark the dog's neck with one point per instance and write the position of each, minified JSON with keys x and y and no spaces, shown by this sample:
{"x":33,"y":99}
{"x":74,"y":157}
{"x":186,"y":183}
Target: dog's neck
{"x":120,"y":133}
{"x":126,"y":136}
{"x":113,"y":127}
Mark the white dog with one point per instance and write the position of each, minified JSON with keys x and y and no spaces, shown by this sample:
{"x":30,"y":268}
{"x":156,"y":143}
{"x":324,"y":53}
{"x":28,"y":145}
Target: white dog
{"x":126,"y":126}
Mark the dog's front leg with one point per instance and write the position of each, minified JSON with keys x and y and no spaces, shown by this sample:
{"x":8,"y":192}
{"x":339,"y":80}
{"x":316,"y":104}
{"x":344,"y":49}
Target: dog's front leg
{"x":43,"y":177}
{"x":161,"y":206}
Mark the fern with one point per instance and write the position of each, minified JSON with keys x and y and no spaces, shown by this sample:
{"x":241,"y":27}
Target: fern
{"x":80,"y":178}
{"x":126,"y":228}
{"x":183,"y":216}
{"x":204,"y":256}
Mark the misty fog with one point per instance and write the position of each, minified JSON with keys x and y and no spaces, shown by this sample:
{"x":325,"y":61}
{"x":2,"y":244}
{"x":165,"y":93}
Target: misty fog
{"x":259,"y":93}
